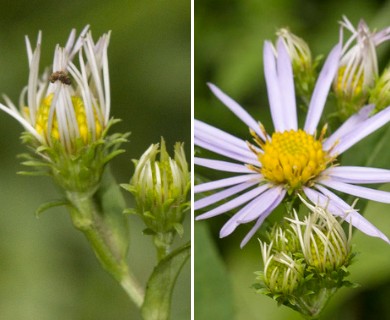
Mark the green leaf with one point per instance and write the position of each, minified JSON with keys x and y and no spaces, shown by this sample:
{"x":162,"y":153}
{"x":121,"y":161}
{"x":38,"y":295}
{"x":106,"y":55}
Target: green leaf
{"x":213,"y":290}
{"x":112,"y":203}
{"x":161,"y":284}
{"x":50,"y":204}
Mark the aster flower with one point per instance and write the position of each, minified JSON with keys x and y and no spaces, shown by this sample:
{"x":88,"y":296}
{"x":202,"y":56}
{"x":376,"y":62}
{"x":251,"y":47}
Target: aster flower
{"x":68,"y":104}
{"x":358,"y":67}
{"x":291,"y":160}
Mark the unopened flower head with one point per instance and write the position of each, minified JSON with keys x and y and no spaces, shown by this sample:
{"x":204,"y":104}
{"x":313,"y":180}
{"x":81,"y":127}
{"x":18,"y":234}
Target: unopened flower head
{"x":69,"y":104}
{"x":291,"y":160}
{"x":282,"y":274}
{"x":324,"y":243}
{"x":304,"y":68}
{"x":160,"y":187}
{"x":298,"y":50}
{"x":358,"y":68}
{"x":66,"y":113}
{"x":380,"y":94}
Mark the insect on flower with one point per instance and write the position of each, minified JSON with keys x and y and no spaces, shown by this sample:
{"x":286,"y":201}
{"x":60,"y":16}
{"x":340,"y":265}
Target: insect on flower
{"x":61,"y":76}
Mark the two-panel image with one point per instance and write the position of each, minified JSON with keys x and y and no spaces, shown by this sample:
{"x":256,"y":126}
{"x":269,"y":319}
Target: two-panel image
{"x":195,"y":160}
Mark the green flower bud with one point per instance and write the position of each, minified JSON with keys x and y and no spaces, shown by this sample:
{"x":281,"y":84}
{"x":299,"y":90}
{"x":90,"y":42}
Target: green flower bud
{"x":380,"y":94}
{"x":160,"y":188}
{"x":358,"y":67}
{"x":282,"y":273}
{"x":304,"y":69}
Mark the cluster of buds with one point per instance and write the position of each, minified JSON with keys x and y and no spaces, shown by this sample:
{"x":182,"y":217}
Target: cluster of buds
{"x":305,"y":261}
{"x":160,"y":188}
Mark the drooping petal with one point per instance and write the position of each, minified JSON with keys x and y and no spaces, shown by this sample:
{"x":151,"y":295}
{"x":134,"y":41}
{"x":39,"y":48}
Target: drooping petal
{"x":350,"y":124}
{"x":234,"y":203}
{"x":339,"y":207}
{"x":273,"y":88}
{"x":221,"y":165}
{"x":286,"y":81}
{"x":358,"y":174}
{"x":321,"y":90}
{"x":227,"y":182}
{"x":358,"y":191}
{"x":358,"y":133}
{"x":224,"y":194}
{"x":237,"y":110}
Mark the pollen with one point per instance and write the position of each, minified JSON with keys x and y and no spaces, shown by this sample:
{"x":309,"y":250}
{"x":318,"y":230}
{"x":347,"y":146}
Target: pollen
{"x":42,"y":117}
{"x":293,"y":158}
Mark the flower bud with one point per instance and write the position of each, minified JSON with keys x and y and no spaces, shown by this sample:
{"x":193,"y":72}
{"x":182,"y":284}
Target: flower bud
{"x":66,"y":113}
{"x":304,"y":69}
{"x":282,"y":273}
{"x":380,"y":94}
{"x":358,"y":67}
{"x":324,"y":243}
{"x":160,"y":188}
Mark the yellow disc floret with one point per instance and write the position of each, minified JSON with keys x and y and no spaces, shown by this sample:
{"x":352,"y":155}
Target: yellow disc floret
{"x":350,"y":84}
{"x":42,"y":117}
{"x":292,"y":158}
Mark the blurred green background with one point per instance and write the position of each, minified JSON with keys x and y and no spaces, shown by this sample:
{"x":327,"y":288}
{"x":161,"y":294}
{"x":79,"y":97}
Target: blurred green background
{"x":47,"y":270}
{"x":229,"y":38}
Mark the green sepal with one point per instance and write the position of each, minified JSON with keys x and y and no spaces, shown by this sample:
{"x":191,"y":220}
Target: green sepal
{"x":179,"y":229}
{"x":51,"y":204}
{"x":33,"y":173}
{"x":161,"y":283}
{"x":130,"y":211}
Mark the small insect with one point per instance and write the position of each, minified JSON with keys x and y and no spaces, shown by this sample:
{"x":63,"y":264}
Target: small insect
{"x":61,"y":76}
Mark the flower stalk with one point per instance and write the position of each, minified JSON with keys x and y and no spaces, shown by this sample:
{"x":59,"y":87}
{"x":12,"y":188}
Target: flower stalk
{"x":111,"y":253}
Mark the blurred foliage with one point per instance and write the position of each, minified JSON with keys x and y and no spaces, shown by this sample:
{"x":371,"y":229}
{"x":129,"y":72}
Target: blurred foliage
{"x":47,"y":270}
{"x":229,"y":38}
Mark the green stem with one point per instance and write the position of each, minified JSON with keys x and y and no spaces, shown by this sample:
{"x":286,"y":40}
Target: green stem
{"x":162,"y":242}
{"x":133,"y":289}
{"x":108,"y":247}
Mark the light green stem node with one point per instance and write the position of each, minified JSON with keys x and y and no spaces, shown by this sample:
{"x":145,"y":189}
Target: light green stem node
{"x":162,"y":242}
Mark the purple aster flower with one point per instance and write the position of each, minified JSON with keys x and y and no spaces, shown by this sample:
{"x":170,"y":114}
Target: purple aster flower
{"x":291,"y":160}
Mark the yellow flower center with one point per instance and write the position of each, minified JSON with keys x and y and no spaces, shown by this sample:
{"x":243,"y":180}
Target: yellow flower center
{"x":42,"y":116}
{"x":347,"y":84}
{"x":293,"y":158}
